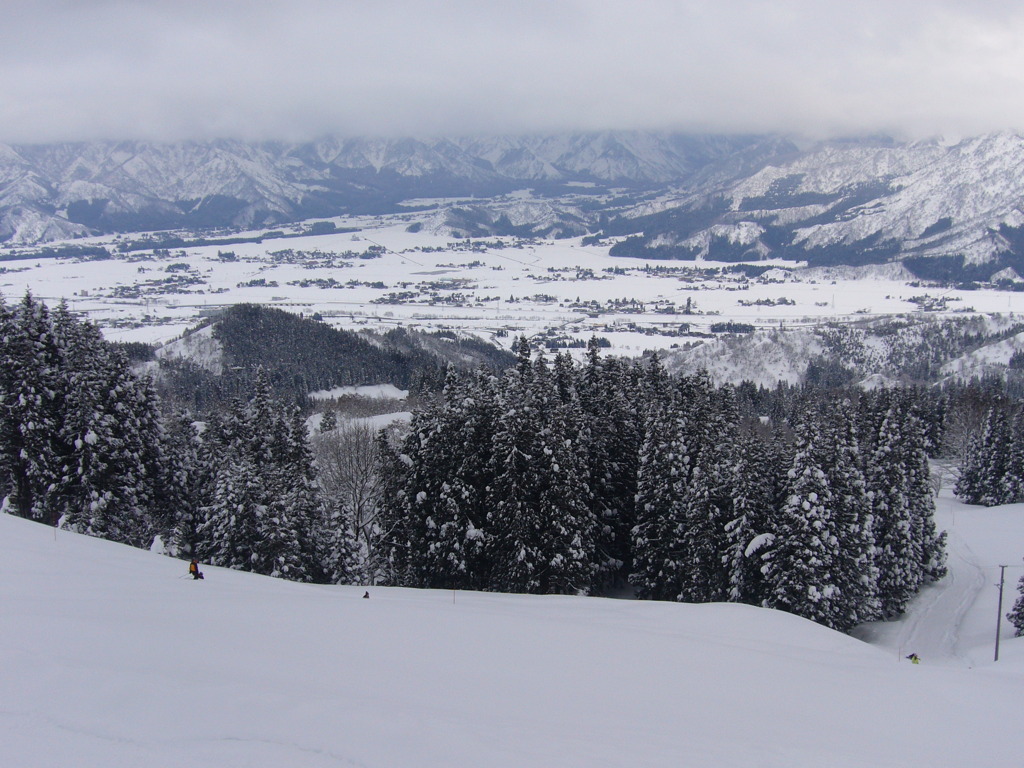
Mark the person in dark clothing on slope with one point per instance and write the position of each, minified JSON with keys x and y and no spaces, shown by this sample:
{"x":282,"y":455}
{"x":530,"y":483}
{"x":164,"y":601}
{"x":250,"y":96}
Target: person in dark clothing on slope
{"x":193,"y":568}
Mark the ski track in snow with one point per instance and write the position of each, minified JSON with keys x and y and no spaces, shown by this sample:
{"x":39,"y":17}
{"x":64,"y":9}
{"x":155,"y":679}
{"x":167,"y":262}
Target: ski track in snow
{"x":931,"y":628}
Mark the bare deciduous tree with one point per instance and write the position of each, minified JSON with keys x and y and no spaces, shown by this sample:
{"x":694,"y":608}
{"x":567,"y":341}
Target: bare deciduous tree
{"x":347,"y":463}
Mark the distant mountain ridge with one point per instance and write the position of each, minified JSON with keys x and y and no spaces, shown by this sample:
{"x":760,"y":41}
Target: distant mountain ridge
{"x":946,"y":209}
{"x":853,"y":203}
{"x":56,"y":191}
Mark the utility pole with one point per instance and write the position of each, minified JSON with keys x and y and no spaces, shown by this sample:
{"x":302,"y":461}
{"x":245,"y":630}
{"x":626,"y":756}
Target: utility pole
{"x":999,"y":614}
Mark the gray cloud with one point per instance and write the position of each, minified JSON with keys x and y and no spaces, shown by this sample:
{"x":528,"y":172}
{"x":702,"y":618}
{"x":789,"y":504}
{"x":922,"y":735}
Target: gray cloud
{"x":297,"y":69}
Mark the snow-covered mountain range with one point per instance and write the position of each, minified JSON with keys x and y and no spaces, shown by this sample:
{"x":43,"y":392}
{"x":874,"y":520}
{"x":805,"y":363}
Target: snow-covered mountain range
{"x":50,"y":192}
{"x":665,"y":195}
{"x":862,"y":202}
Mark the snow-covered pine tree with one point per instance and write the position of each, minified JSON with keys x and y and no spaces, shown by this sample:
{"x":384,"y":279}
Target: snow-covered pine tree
{"x":986,"y":464}
{"x":524,"y":358}
{"x":564,"y":379}
{"x":1016,"y":614}
{"x":1013,"y":480}
{"x":665,"y":465}
{"x":32,"y":390}
{"x":655,"y":384}
{"x":102,"y":459}
{"x":612,"y":434}
{"x":709,"y":494}
{"x":931,"y":542}
{"x":6,"y":393}
{"x":475,"y":420}
{"x":995,"y":467}
{"x":440,"y":539}
{"x":214,"y":443}
{"x":568,"y":524}
{"x":182,"y":487}
{"x":855,"y":572}
{"x":129,"y":450}
{"x":232,"y":526}
{"x":392,"y":559}
{"x":800,"y":565}
{"x":968,"y":486}
{"x":265,"y":514}
{"x":898,"y":554}
{"x":756,"y":487}
{"x":513,"y":546}
{"x":329,"y":421}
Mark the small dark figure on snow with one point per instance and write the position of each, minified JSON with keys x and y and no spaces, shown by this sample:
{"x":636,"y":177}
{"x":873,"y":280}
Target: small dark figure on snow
{"x":366,"y":595}
{"x":914,"y":658}
{"x":193,"y":568}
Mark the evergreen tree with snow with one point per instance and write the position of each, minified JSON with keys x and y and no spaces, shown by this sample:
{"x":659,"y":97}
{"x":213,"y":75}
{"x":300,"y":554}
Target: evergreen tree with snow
{"x":1016,"y":614}
{"x":6,"y":423}
{"x":541,"y":528}
{"x":32,"y":396}
{"x":81,"y":432}
{"x":986,"y":465}
{"x":756,"y":487}
{"x":855,"y":573}
{"x":113,"y":423}
{"x":569,"y":524}
{"x":708,"y":500}
{"x":665,"y":465}
{"x":183,"y":486}
{"x":611,"y":435}
{"x":513,"y":544}
{"x":898,"y":552}
{"x":932,"y":543}
{"x":265,"y":514}
{"x":437,"y":494}
{"x":329,"y":421}
{"x":1013,"y":480}
{"x":393,"y":558}
{"x":802,"y":565}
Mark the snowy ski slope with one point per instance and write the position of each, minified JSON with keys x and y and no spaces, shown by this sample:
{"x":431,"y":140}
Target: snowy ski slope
{"x":113,"y":658}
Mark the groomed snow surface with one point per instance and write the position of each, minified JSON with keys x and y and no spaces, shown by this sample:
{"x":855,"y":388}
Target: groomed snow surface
{"x":112,"y":657}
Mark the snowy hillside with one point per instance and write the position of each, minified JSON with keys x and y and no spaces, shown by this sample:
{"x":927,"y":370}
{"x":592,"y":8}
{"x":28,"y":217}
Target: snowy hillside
{"x":113,"y":658}
{"x":850,"y":203}
{"x":918,"y":348}
{"x":974,"y":184}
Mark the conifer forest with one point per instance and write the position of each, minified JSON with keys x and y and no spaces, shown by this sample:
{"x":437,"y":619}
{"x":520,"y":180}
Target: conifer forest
{"x":548,"y":476}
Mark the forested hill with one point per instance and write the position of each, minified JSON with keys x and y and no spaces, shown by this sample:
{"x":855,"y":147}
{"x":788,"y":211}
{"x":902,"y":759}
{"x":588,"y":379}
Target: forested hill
{"x":301,"y":354}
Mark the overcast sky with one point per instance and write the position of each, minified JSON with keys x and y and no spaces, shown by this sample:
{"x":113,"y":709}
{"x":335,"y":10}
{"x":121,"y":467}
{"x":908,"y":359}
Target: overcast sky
{"x":172,"y":69}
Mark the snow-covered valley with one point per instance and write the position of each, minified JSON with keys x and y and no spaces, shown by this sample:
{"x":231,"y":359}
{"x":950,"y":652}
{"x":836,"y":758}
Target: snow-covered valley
{"x":558,"y":292}
{"x":114,"y":657}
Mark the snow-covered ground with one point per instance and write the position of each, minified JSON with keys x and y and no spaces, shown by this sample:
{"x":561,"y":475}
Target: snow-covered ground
{"x":432,"y":281}
{"x":953,"y":622}
{"x":373,"y":423}
{"x":375,"y":391}
{"x":113,"y":658}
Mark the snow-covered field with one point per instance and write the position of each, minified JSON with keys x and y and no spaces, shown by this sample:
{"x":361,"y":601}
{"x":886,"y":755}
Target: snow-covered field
{"x":374,"y":391}
{"x":113,"y":658}
{"x":435,"y":282}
